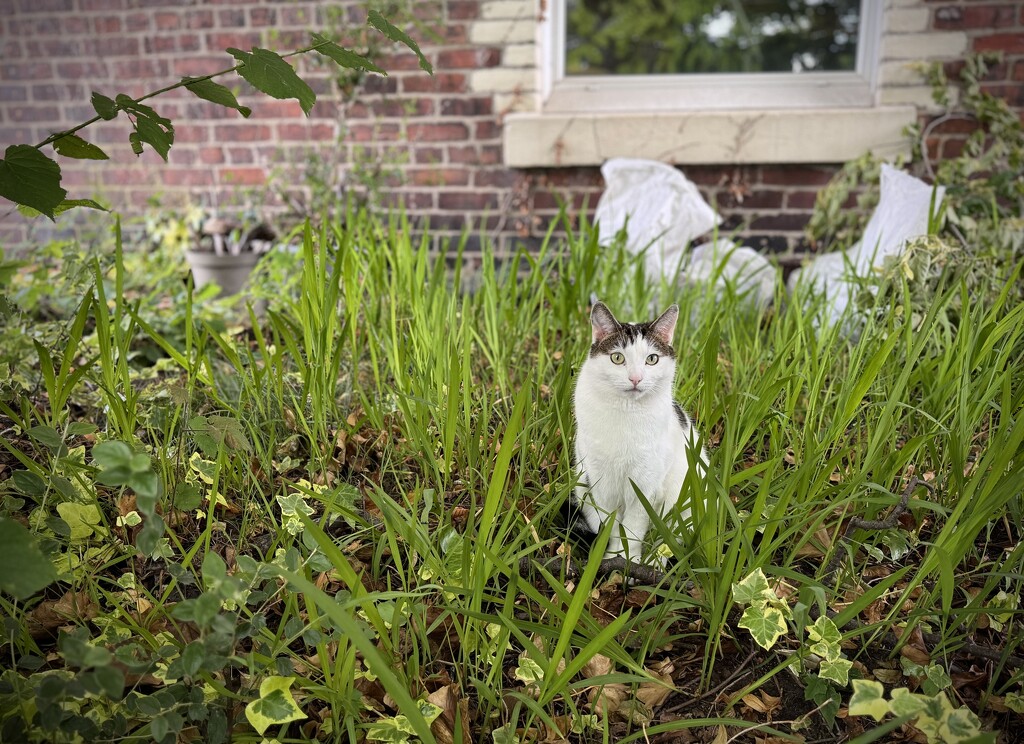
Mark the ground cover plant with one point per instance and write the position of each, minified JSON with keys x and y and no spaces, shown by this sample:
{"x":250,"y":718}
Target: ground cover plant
{"x":340,"y":520}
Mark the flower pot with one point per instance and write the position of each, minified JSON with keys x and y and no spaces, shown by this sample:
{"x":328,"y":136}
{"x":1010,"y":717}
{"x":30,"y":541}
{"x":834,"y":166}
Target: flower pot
{"x":227,"y":271}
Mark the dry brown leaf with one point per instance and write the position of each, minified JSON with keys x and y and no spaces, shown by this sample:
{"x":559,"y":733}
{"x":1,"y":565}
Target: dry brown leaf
{"x":653,"y":693}
{"x":607,"y":699}
{"x":597,"y":665}
{"x":721,"y":735}
{"x":817,"y":546}
{"x":453,"y":707}
{"x":887,"y":676}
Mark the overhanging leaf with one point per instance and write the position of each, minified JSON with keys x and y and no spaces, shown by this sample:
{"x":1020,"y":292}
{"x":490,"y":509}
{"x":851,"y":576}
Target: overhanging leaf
{"x":150,"y":128}
{"x":215,"y":93}
{"x":275,"y":704}
{"x":24,"y":570}
{"x":394,"y":33}
{"x":73,"y":146}
{"x":64,"y":206}
{"x":343,"y":56}
{"x":269,"y":72}
{"x":105,"y":107}
{"x":28,"y":177}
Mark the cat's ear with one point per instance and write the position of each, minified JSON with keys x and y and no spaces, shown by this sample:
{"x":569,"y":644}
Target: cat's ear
{"x":603,"y":322}
{"x":664,"y":327}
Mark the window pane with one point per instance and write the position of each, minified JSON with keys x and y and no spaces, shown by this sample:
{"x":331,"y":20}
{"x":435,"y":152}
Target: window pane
{"x":637,"y":37}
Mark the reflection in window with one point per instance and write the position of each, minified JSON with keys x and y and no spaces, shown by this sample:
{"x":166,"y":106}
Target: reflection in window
{"x":638,"y":37}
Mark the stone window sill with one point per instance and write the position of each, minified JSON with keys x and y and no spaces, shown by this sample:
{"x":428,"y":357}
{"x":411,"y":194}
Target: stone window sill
{"x":533,"y":140}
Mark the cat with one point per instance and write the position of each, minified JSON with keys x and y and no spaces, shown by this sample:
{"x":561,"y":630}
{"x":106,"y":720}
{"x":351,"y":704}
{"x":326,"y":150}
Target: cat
{"x":629,"y":428}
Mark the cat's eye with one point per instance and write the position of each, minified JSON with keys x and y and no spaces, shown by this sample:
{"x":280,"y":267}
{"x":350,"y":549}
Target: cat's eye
{"x":618,"y":357}
{"x":652,"y":358}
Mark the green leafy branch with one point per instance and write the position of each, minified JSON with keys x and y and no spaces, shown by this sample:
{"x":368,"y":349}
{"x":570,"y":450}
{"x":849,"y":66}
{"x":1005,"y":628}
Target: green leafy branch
{"x":32,"y":179}
{"x":934,"y":715}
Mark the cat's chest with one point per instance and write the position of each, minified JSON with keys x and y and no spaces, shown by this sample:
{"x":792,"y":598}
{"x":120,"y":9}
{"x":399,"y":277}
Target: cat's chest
{"x":624,"y":439}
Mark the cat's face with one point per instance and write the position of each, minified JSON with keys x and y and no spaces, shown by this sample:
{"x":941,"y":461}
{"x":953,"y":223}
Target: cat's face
{"x":632,"y":359}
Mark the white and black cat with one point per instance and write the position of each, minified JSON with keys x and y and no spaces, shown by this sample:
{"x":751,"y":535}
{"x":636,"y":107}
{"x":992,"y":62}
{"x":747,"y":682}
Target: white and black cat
{"x":630,"y":429}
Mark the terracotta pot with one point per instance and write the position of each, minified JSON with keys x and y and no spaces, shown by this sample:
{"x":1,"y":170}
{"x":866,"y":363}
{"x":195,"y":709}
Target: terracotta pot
{"x":229,"y":272}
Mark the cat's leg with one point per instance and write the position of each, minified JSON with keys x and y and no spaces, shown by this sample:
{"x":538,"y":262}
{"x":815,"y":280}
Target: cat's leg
{"x":633,"y":524}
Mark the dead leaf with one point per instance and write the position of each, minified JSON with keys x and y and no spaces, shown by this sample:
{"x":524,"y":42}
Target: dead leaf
{"x":653,"y":693}
{"x":817,"y":546}
{"x":887,"y":676}
{"x":721,"y":735}
{"x":597,"y":666}
{"x":453,"y":707}
{"x":607,"y":699}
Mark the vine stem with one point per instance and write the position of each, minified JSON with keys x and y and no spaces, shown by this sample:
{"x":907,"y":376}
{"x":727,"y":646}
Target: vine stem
{"x":166,"y":89}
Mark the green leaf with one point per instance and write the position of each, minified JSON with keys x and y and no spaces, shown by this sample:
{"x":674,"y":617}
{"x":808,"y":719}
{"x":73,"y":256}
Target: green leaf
{"x":754,"y":587}
{"x":150,"y":128}
{"x":394,"y":33}
{"x":837,"y":670}
{"x":105,"y":107}
{"x":29,"y":484}
{"x":868,"y":699}
{"x":83,"y":519}
{"x":269,"y":72}
{"x":275,"y":704}
{"x":73,"y":146}
{"x":906,"y":703}
{"x":24,"y":570}
{"x":343,"y":56}
{"x":115,"y":461}
{"x":215,"y":93}
{"x":766,"y":624}
{"x":47,"y":436}
{"x":28,"y":177}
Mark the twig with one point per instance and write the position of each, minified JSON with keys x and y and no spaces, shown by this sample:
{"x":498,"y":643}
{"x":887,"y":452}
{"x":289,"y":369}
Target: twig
{"x":890,"y":522}
{"x":637,"y":571}
{"x":737,"y":673}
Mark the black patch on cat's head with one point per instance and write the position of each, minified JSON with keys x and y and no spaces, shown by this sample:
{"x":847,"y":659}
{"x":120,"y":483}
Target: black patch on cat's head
{"x":610,"y":334}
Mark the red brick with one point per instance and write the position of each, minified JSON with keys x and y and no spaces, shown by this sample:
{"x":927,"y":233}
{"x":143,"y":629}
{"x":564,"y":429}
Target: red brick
{"x":975,"y":16}
{"x":210,"y":155}
{"x":44,"y":6}
{"x":33,"y":113}
{"x":231,"y":18}
{"x":463,"y":10}
{"x":490,"y":154}
{"x":495,"y":178}
{"x":137,"y":22}
{"x":26,"y":71}
{"x":952,"y":147}
{"x":243,"y":176}
{"x":141,"y":68}
{"x":102,"y":4}
{"x":467,"y":200}
{"x":296,"y":17}
{"x":52,"y":48}
{"x":81,"y":70}
{"x":1018,"y":70}
{"x":186,"y":177}
{"x":438,"y":132}
{"x":794,"y":176}
{"x":468,"y":58}
{"x":239,"y":40}
{"x":106,"y":24}
{"x":13,"y":93}
{"x":464,"y":154}
{"x":195,"y":19}
{"x":242,"y":132}
{"x":440,"y":82}
{"x":199,"y":66}
{"x":801,"y":199}
{"x":167,"y":21}
{"x":305,"y":132}
{"x":487,"y":130}
{"x":473,"y":106}
{"x":262,"y":16}
{"x":11,"y":135}
{"x":437,"y":176}
{"x":781,"y":221}
{"x":240,"y":155}
{"x":73,"y":24}
{"x":111,"y":46}
{"x":1008,"y":43}
{"x":427,"y":155}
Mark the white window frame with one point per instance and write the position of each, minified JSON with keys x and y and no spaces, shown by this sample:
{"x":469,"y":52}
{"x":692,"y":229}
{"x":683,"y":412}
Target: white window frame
{"x":706,"y":92}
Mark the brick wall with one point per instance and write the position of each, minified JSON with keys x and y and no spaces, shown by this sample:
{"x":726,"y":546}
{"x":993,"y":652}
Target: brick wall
{"x":430,"y":143}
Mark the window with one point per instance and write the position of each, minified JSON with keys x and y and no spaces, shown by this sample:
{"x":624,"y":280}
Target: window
{"x":611,"y":55}
{"x":706,"y":82}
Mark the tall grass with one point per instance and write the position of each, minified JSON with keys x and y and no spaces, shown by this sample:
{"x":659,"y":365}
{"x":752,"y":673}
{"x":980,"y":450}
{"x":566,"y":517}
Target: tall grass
{"x":433,"y":428}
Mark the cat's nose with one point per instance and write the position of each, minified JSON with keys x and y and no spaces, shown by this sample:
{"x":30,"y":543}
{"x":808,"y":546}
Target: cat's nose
{"x":635,"y":379}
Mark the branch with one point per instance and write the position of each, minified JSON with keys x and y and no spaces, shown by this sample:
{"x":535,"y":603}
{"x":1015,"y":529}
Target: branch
{"x":890,"y":522}
{"x":637,"y":571}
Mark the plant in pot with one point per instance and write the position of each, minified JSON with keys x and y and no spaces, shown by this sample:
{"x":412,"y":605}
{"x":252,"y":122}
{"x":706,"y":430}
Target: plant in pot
{"x":224,"y":250}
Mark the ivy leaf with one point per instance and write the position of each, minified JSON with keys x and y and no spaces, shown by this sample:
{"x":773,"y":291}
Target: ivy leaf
{"x":754,"y":587}
{"x":83,"y":519}
{"x":269,"y":72}
{"x":837,"y":670}
{"x":343,"y":56}
{"x":63,"y":207}
{"x":275,"y":705}
{"x":765,"y":624}
{"x":28,"y":177}
{"x":24,"y":570}
{"x":73,"y":146}
{"x":105,"y":107}
{"x":215,"y":93}
{"x":394,"y":33}
{"x":868,"y":700}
